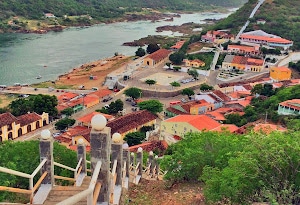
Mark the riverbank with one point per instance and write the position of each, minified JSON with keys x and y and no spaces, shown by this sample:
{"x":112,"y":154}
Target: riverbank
{"x":88,"y":75}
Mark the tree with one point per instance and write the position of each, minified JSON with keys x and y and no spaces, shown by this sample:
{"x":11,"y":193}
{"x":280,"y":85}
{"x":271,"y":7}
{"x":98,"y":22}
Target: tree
{"x":257,"y":89}
{"x":133,"y":92}
{"x":3,"y":110}
{"x":45,"y":103}
{"x":176,"y":68}
{"x":267,"y":90}
{"x":64,"y":123}
{"x":153,"y":106}
{"x":150,"y":82}
{"x":115,"y":107}
{"x":175,"y":84}
{"x":151,"y":48}
{"x":187,"y":91}
{"x":140,"y":52}
{"x":205,"y":87}
{"x":68,"y":111}
{"x":39,"y":104}
{"x":21,"y":106}
{"x":177,"y":58}
{"x":134,"y":138}
{"x":193,"y":73}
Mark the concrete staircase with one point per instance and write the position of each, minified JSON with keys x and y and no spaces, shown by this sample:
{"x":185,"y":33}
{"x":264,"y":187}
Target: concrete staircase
{"x":60,"y":193}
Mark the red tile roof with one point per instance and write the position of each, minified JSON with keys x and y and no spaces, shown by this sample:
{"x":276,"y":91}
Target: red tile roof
{"x":254,"y":61}
{"x":295,"y":104}
{"x":221,"y":95}
{"x":242,"y":48}
{"x":101,"y":93}
{"x":66,"y":96}
{"x":87,"y":118}
{"x":130,"y":121}
{"x":7,"y":119}
{"x":200,"y":122}
{"x":159,"y":54}
{"x":239,"y":60}
{"x":28,"y":118}
{"x":266,"y":39}
{"x":243,"y":103}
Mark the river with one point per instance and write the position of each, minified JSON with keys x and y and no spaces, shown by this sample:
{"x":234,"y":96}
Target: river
{"x":23,"y":57}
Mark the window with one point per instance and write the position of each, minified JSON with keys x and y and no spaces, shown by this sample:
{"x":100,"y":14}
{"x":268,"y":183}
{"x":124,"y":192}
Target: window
{"x":9,"y":127}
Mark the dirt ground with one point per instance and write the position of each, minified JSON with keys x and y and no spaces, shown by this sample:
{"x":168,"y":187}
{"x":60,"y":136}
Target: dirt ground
{"x":98,"y":69}
{"x":156,"y":192}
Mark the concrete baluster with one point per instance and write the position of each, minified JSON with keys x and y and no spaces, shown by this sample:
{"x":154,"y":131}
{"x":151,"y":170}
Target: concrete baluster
{"x":139,"y":159}
{"x":117,"y":154}
{"x":100,"y":140}
{"x":46,"y":152}
{"x":81,"y":153}
{"x":150,"y":160}
{"x":126,"y":158}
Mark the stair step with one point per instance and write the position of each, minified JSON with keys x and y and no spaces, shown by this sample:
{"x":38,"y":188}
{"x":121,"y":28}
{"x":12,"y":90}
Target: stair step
{"x":60,"y":193}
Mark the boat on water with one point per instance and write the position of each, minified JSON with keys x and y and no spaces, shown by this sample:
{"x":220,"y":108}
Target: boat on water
{"x":38,"y":77}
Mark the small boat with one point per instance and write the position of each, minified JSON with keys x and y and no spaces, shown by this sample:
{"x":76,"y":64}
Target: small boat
{"x":38,"y":77}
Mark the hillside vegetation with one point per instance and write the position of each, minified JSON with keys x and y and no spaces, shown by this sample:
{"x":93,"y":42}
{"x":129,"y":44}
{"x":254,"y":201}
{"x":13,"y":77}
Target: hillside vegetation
{"x":34,"y":9}
{"x":282,"y":19}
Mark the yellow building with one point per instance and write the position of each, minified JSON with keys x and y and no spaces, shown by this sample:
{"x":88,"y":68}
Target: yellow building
{"x":194,"y":63}
{"x":201,"y":107}
{"x":176,"y":127}
{"x":280,"y":73}
{"x":12,"y":127}
{"x":158,"y":57}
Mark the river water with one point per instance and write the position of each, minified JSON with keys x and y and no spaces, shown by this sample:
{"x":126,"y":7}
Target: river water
{"x":23,"y":57}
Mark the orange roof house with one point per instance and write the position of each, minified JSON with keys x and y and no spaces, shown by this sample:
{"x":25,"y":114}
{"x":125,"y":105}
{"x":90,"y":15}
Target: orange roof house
{"x":101,"y":93}
{"x":242,"y":63}
{"x":289,"y":107}
{"x":158,"y":57}
{"x":261,"y":37}
{"x":280,"y":73}
{"x":194,"y":63}
{"x":180,"y":125}
{"x":243,"y":49}
{"x":86,"y":119}
{"x":66,"y":97}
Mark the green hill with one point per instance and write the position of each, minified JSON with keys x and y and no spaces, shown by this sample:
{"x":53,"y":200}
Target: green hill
{"x":282,"y":19}
{"x":98,"y":9}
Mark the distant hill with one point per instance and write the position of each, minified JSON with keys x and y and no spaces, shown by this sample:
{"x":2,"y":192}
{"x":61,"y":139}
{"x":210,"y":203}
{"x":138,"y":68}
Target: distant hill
{"x":99,"y":9}
{"x":282,"y":18}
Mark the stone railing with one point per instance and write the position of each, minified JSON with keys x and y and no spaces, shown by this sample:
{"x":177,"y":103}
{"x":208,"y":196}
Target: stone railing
{"x":108,"y":179}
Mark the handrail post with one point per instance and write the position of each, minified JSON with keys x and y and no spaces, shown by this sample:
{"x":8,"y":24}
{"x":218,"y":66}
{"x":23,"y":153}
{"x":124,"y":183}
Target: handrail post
{"x":117,"y":154}
{"x":126,"y":158}
{"x":46,"y":152}
{"x":139,"y":159}
{"x":100,"y":141}
{"x":150,"y":161}
{"x":132,"y":156}
{"x":81,"y":154}
{"x":156,"y":163}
